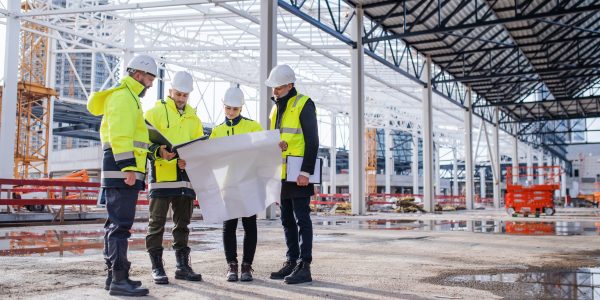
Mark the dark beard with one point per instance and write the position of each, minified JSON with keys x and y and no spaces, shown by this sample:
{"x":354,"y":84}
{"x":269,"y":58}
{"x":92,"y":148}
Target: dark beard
{"x":143,"y":92}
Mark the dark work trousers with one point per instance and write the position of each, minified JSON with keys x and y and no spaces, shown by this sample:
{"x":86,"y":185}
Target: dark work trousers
{"x":183,"y":207}
{"x":230,"y":241}
{"x":297,"y":226}
{"x":120,"y":205}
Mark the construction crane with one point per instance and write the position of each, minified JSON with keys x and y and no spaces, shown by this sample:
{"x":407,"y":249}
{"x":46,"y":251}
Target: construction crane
{"x":34,"y":103}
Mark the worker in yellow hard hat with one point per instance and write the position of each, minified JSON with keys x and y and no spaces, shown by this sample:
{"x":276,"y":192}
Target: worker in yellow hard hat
{"x":235,"y":124}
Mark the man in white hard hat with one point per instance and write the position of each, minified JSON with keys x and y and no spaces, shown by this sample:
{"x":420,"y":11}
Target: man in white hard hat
{"x":234,"y":124}
{"x":169,"y":183}
{"x":294,"y":115}
{"x":125,"y":143}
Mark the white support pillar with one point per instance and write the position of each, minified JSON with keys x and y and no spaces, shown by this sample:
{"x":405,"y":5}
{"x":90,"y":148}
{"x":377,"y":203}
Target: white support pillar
{"x":436,"y":170}
{"x":529,"y":165}
{"x":389,"y":160}
{"x":563,"y":182}
{"x":455,"y":191}
{"x":496,"y":160}
{"x":482,"y":192}
{"x":129,"y":42}
{"x":268,"y":60}
{"x":548,"y":171}
{"x":357,"y":118}
{"x":8,"y":128}
{"x":515,"y":159}
{"x":415,"y":161}
{"x":540,"y":165}
{"x":427,"y":140}
{"x":556,"y":163}
{"x":333,"y":154}
{"x":469,"y":151}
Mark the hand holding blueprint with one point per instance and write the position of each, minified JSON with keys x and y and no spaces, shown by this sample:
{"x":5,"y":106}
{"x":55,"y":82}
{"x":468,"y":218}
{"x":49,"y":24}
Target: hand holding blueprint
{"x":235,"y":176}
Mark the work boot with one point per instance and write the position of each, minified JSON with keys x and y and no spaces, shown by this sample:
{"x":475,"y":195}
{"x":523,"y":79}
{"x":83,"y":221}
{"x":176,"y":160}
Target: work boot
{"x":300,"y":274}
{"x":232,"y":274}
{"x":184,"y":270}
{"x":246,"y":272}
{"x":286,"y":270}
{"x":109,"y":277}
{"x":158,"y":270}
{"x":121,"y":287}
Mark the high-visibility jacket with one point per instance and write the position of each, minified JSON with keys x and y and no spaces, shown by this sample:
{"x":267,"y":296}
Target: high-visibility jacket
{"x":239,"y":125}
{"x":123,"y":133}
{"x":290,"y":128}
{"x":166,"y":179}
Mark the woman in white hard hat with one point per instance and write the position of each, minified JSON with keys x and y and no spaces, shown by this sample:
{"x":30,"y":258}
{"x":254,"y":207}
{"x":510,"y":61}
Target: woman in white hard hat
{"x":234,"y":124}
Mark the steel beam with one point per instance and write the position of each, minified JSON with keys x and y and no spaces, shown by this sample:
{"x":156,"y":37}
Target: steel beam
{"x":357,"y":112}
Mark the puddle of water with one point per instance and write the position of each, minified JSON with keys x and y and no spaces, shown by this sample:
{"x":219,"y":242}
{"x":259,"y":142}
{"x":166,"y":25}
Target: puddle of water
{"x":81,"y":242}
{"x":582,"y":283}
{"x":486,"y":226}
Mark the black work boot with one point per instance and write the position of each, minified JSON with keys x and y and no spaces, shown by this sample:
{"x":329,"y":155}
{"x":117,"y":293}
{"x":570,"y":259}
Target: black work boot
{"x":286,"y":270}
{"x":232,"y":274}
{"x":184,"y":270}
{"x":301,"y":274}
{"x":158,"y":270}
{"x":109,"y":277}
{"x":246,"y":272}
{"x":121,"y":287}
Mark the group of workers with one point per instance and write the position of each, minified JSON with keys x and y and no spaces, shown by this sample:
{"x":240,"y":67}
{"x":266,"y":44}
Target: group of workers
{"x":126,"y":149}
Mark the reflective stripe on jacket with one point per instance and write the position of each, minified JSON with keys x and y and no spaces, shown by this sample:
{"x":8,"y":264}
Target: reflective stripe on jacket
{"x":122,"y":131}
{"x":290,"y":128}
{"x":166,"y":179}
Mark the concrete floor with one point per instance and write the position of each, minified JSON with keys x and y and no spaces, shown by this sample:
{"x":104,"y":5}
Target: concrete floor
{"x":378,"y":256}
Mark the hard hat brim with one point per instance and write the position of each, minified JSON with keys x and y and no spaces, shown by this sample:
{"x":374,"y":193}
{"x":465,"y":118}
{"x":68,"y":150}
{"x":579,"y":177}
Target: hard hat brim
{"x":271,"y":83}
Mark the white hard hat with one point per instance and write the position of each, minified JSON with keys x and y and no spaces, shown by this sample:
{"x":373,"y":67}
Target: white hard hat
{"x":183,"y":82}
{"x":144,"y":63}
{"x":280,"y":75}
{"x":234,"y":97}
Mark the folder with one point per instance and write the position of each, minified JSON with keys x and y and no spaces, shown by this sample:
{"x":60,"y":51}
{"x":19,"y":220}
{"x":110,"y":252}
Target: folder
{"x":293,"y":165}
{"x":158,"y":138}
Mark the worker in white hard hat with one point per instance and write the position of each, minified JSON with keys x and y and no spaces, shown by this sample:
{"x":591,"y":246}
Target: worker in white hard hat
{"x":125,"y":143}
{"x":235,"y":124}
{"x":294,"y":115}
{"x":169,"y":183}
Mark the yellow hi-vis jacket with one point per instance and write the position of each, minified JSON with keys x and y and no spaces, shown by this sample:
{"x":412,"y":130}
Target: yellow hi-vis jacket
{"x":166,"y":179}
{"x":290,"y":129}
{"x":123,"y":132}
{"x":239,"y":125}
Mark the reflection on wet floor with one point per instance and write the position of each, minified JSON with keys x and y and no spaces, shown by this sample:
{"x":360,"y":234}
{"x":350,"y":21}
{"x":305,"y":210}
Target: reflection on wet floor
{"x":476,"y":226}
{"x":80,"y":242}
{"x":578,"y":284}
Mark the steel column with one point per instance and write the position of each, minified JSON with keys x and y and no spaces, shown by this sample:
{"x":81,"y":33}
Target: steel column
{"x":8,"y":127}
{"x":389,"y":161}
{"x":415,"y":161}
{"x":333,"y":154}
{"x":496,"y":159}
{"x":357,"y":119}
{"x":268,"y":60}
{"x":469,"y":150}
{"x":428,"y":140}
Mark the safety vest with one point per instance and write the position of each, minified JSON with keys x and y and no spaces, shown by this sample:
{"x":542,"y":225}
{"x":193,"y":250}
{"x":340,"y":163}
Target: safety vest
{"x":122,"y":131}
{"x":290,"y":128}
{"x":230,"y":127}
{"x":166,"y":179}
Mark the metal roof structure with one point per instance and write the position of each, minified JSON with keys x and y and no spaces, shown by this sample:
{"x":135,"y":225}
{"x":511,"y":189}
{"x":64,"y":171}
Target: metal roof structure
{"x":537,"y":61}
{"x":511,"y":55}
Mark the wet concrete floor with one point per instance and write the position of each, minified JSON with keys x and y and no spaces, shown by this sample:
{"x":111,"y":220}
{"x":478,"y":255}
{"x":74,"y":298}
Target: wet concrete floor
{"x":64,"y":242}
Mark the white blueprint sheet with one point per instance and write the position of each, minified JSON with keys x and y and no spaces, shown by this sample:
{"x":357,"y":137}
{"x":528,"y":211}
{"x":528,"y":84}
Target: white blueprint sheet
{"x":235,"y":176}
